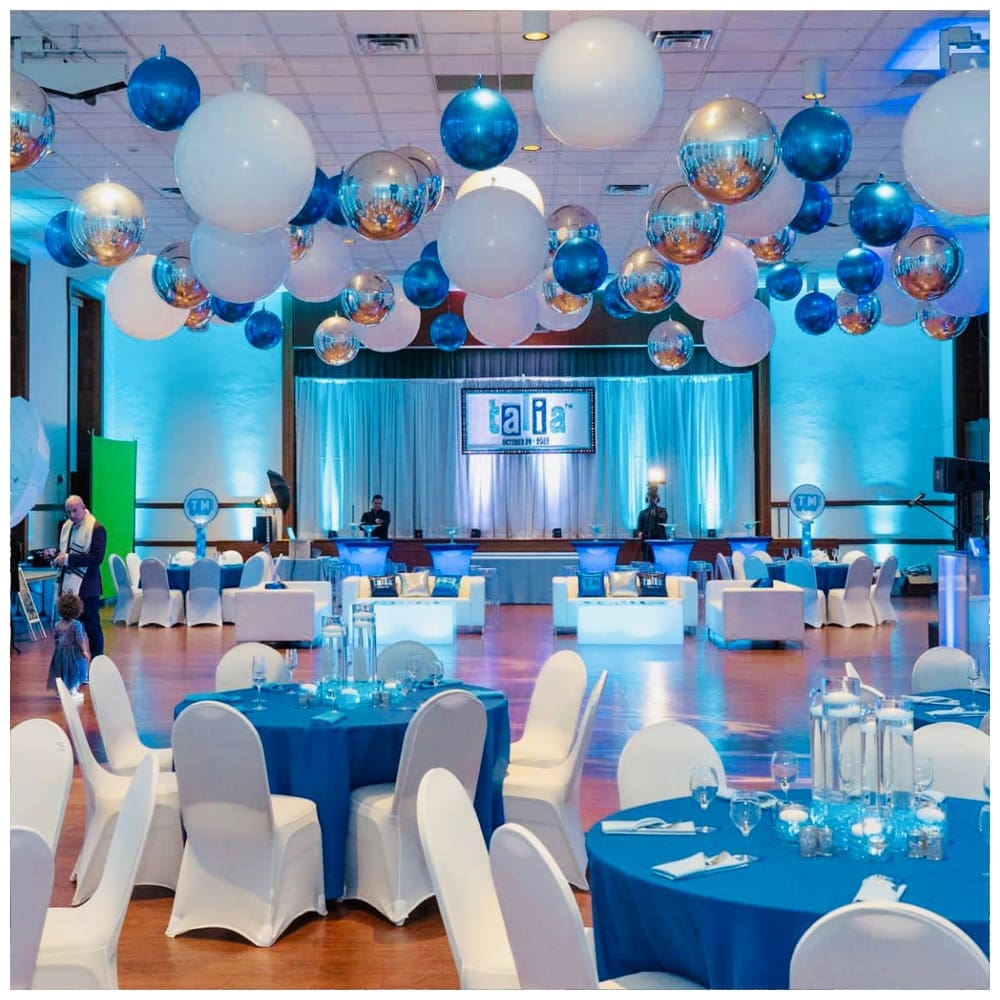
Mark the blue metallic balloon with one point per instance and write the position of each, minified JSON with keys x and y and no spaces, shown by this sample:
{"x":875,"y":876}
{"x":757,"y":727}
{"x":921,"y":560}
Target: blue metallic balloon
{"x":815,"y":211}
{"x":59,"y":244}
{"x":860,"y":271}
{"x":425,"y":284}
{"x":448,"y":332}
{"x":430,"y":252}
{"x":333,"y":213}
{"x":317,"y":204}
{"x":163,"y":92}
{"x":580,"y":265}
{"x":263,"y":330}
{"x":857,"y":314}
{"x":880,"y":213}
{"x":614,"y":305}
{"x":815,"y":313}
{"x":816,"y":144}
{"x":784,"y":281}
{"x":479,"y":128}
{"x":230,"y":312}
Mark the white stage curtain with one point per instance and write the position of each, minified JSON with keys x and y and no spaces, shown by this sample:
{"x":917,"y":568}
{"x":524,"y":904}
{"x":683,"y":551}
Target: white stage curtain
{"x":402,"y":438}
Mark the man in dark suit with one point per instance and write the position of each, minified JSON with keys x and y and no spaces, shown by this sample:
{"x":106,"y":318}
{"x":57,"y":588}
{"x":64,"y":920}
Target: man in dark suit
{"x":378,"y":516}
{"x":651,"y":521}
{"x":82,"y":544}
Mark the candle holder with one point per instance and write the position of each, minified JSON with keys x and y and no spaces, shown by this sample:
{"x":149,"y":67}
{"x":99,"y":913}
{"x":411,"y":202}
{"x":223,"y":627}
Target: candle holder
{"x":789,"y":819}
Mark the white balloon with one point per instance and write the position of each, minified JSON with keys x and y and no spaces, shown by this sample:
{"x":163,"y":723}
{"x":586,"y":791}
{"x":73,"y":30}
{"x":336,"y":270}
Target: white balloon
{"x":398,"y":330}
{"x":502,"y":322}
{"x":134,"y":306}
{"x":898,"y":309}
{"x":946,"y":143}
{"x":742,"y":339}
{"x":771,"y":210}
{"x":244,"y":162}
{"x":322,"y":271}
{"x":598,"y":83}
{"x":970,"y":295}
{"x":721,"y":285}
{"x":504,"y":177}
{"x":493,"y":242}
{"x":239,"y":267}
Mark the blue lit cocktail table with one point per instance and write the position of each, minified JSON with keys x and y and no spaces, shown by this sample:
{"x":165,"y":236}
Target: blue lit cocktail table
{"x":597,"y":555}
{"x":451,"y":558}
{"x":671,"y":555}
{"x":368,"y":553}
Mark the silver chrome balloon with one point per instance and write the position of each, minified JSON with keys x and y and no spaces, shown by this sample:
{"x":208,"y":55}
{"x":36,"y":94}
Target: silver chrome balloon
{"x":107,"y":223}
{"x":381,"y":196}
{"x":682,"y":226}
{"x":647,"y":282}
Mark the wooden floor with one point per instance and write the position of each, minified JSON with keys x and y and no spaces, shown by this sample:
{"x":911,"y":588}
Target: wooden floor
{"x":749,"y":702}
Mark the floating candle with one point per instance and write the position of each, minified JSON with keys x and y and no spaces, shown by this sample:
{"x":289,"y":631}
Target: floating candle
{"x":793,"y":814}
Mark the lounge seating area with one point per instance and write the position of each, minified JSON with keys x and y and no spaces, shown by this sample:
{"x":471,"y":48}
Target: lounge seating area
{"x":405,"y":592}
{"x":737,"y":610}
{"x":291,"y":613}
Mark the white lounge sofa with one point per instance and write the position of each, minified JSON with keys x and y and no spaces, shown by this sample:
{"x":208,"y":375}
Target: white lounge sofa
{"x":735,"y":609}
{"x":566,"y":601}
{"x":470,"y":605}
{"x":293,"y":613}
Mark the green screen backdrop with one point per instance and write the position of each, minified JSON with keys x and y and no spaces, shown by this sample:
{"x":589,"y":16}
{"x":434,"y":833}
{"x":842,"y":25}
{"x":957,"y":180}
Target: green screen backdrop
{"x":112,"y":500}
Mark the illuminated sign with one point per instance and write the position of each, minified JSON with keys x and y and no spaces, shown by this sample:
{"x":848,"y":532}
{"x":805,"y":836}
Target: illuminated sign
{"x":201,"y":506}
{"x":541,"y":420}
{"x":807,"y":502}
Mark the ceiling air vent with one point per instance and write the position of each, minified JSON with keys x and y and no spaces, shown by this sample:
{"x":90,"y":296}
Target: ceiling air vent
{"x":626,"y":189}
{"x":509,"y":83}
{"x":387,"y":44}
{"x":922,"y":78}
{"x":682,"y":40}
{"x":170,"y":192}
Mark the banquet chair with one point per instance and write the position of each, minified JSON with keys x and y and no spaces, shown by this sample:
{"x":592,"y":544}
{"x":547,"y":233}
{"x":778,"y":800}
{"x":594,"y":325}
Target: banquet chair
{"x":231,"y":557}
{"x":32,"y":871}
{"x":183,"y":558}
{"x":869,"y":694}
{"x":739,"y":567}
{"x":160,"y":604}
{"x":984,"y":726}
{"x":553,"y":711}
{"x":657,"y":761}
{"x":851,"y":604}
{"x":41,"y":772}
{"x":960,"y":755}
{"x":253,"y":861}
{"x":547,"y":799}
{"x":235,"y":669}
{"x":254,"y":574}
{"x":128,"y":599}
{"x":133,"y":563}
{"x":385,"y":864}
{"x":203,"y":603}
{"x":764,"y":556}
{"x":116,"y":721}
{"x":79,"y":946}
{"x":396,"y":655}
{"x":887,"y":945}
{"x":459,"y":867}
{"x":544,"y":927}
{"x":851,"y":554}
{"x":105,"y":793}
{"x":941,"y":668}
{"x":881,"y":592}
{"x":802,"y":573}
{"x":722,"y":570}
{"x":754,"y":568}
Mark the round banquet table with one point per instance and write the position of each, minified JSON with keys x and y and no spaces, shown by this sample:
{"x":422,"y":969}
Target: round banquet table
{"x":927,"y":711}
{"x":179,"y":577}
{"x":738,"y":929}
{"x":828,"y":575}
{"x":325,"y":761}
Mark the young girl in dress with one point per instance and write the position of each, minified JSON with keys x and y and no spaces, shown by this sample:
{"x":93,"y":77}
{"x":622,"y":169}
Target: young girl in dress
{"x":71,"y":656}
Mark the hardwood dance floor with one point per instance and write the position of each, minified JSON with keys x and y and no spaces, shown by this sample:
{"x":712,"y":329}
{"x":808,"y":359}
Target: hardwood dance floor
{"x":748,"y":702}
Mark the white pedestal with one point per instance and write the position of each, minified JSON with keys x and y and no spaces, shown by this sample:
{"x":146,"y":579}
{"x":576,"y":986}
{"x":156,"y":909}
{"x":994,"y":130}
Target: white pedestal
{"x":428,"y":620}
{"x":622,"y":621}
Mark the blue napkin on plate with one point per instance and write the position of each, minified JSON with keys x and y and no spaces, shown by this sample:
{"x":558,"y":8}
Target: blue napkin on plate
{"x":229,"y":696}
{"x":327,"y":718}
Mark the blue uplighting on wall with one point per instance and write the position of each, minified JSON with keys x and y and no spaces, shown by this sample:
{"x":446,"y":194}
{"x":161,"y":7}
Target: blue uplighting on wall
{"x":921,"y":51}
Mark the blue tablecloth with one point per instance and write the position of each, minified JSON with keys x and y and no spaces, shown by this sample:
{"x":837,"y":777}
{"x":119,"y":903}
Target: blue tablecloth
{"x":326,"y":763}
{"x":922,"y":711}
{"x":179,"y":577}
{"x":827,"y":574}
{"x":738,"y":929}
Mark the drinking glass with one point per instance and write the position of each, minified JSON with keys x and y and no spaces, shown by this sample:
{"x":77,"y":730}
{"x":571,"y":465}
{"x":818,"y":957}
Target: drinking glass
{"x":744,"y":811}
{"x":975,"y":676}
{"x":258,"y":671}
{"x":704,"y":785}
{"x":923,"y":773}
{"x":291,"y":660}
{"x":986,"y":781}
{"x":984,"y":831}
{"x":368,"y":529}
{"x":595,"y":530}
{"x":435,"y":672}
{"x":850,"y":773}
{"x":784,"y":769}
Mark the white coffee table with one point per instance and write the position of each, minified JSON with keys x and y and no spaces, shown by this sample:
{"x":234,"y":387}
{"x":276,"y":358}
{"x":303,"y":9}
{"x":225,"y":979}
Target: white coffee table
{"x":430,"y":620}
{"x":623,"y":621}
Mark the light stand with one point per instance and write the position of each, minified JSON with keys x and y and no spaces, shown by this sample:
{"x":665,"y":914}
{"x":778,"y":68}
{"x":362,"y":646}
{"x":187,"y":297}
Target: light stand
{"x":918,"y":501}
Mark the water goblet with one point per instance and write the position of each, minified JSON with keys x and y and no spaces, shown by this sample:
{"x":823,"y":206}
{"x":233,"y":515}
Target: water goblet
{"x":744,"y":811}
{"x":784,"y":769}
{"x":984,"y":832}
{"x":923,"y":773}
{"x":258,"y":672}
{"x":291,"y":660}
{"x":975,"y":676}
{"x":435,"y":672}
{"x":704,"y":785}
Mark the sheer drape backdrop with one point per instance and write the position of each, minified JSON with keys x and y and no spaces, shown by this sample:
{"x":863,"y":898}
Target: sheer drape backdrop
{"x":402,"y":438}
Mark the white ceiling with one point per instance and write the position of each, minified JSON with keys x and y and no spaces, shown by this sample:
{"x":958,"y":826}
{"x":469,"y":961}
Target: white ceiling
{"x":354,"y":103}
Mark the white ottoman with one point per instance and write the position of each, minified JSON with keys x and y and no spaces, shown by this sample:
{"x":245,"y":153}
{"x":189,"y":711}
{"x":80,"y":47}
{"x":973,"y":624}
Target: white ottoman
{"x":430,"y":620}
{"x":623,"y":621}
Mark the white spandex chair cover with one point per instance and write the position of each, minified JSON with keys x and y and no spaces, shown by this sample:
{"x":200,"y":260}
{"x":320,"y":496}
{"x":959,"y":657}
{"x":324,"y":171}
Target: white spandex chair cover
{"x":851,"y":604}
{"x":160,"y":604}
{"x":739,"y":569}
{"x":203,"y":602}
{"x":133,"y":562}
{"x":128,"y":601}
{"x":941,"y":668}
{"x":231,"y":557}
{"x":802,"y":573}
{"x":395,"y":656}
{"x":852,"y":554}
{"x":183,"y":558}
{"x":235,"y":670}
{"x":553,"y":711}
{"x":754,"y":568}
{"x":255,"y":572}
{"x":41,"y":772}
{"x":881,"y":592}
{"x":961,"y":757}
{"x":32,"y":871}
{"x":722,"y":570}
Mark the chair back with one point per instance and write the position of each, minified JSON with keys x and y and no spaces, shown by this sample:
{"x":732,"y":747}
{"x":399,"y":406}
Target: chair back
{"x":890,"y":946}
{"x":254,"y":571}
{"x":115,"y":719}
{"x":183,"y":558}
{"x":41,"y":772}
{"x":722,"y":570}
{"x":231,"y":557}
{"x":119,"y":573}
{"x":395,"y":656}
{"x":32,"y":871}
{"x":235,"y":669}
{"x":961,"y":757}
{"x":739,"y":570}
{"x":554,"y":707}
{"x":754,"y":568}
{"x":801,"y":573}
{"x":133,"y":562}
{"x":941,"y":668}
{"x":984,"y":726}
{"x":459,"y":866}
{"x":97,"y":782}
{"x":581,"y":741}
{"x":886,"y":577}
{"x":205,"y":574}
{"x":543,"y":920}
{"x":859,"y":576}
{"x":656,"y":763}
{"x":764,"y":556}
{"x":849,"y":556}
{"x":153,"y":575}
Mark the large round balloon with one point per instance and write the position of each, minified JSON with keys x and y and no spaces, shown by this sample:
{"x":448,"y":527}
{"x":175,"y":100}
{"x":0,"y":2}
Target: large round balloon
{"x":134,"y":306}
{"x":728,"y":150}
{"x":503,"y":177}
{"x":769,"y":211}
{"x":880,"y":213}
{"x":333,"y":212}
{"x":580,"y":265}
{"x":721,"y":286}
{"x":568,"y":221}
{"x":558,"y":298}
{"x":816,"y":143}
{"x":262,"y":330}
{"x":860,"y":271}
{"x":367,"y":298}
{"x":321,"y":274}
{"x":493,"y":242}
{"x":317,"y":203}
{"x":857,"y":314}
{"x":940,"y":325}
{"x":107,"y":223}
{"x":898,"y":309}
{"x":174,"y":278}
{"x":926,"y":262}
{"x":244,"y":162}
{"x":425,"y":284}
{"x":815,"y":312}
{"x":647,"y":282}
{"x":946,"y":143}
{"x":479,"y":128}
{"x":239,"y":267}
{"x":783,"y":281}
{"x":598,"y":83}
{"x":502,"y":322}
{"x":428,"y":173}
{"x":448,"y":332}
{"x":614,"y":305}
{"x":398,"y":330}
{"x":59,"y":244}
{"x":742,"y":339}
{"x":774,"y":247}
{"x":334,"y":341}
{"x":815,"y":211}
{"x":670,"y":345}
{"x":970,"y":295}
{"x":163,"y":92}
{"x":559,"y":322}
{"x":32,"y":122}
{"x":381,"y":196}
{"x":230,"y":312}
{"x":682,"y":226}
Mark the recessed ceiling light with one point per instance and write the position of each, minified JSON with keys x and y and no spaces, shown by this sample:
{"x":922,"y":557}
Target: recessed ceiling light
{"x":531,"y":147}
{"x":348,"y":241}
{"x":535,"y":25}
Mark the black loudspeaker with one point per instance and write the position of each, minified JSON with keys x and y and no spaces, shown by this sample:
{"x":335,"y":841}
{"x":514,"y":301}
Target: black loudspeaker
{"x":418,"y":532}
{"x":475,"y":533}
{"x":263,"y":530}
{"x":331,"y":533}
{"x":557,"y":532}
{"x":960,"y":475}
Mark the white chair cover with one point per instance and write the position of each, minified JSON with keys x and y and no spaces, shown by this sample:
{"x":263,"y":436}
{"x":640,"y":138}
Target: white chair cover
{"x":849,"y":556}
{"x":79,"y":948}
{"x":881,"y":592}
{"x":395,"y":656}
{"x":941,"y":668}
{"x":231,"y":557}
{"x":253,"y":861}
{"x":459,"y":867}
{"x":887,"y":946}
{"x":116,"y":721}
{"x":547,"y":799}
{"x":203,"y":605}
{"x":235,"y":670}
{"x":802,"y":573}
{"x":160,"y":604}
{"x":851,"y":604}
{"x":128,"y":601}
{"x":985,"y":724}
{"x":254,"y":574}
{"x":183,"y":558}
{"x":764,"y":556}
{"x":739,"y":571}
{"x":32,"y":871}
{"x":754,"y":568}
{"x":722,"y":570}
{"x":553,"y":711}
{"x":961,"y":757}
{"x":133,"y":562}
{"x":385,"y":864}
{"x":41,"y":772}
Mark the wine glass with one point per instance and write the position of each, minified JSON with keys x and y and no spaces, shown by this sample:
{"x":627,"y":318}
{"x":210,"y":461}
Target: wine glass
{"x":258,"y":671}
{"x":975,"y":676}
{"x":291,"y":660}
{"x":595,"y":530}
{"x":704,"y":785}
{"x":368,"y":529}
{"x":744,"y":811}
{"x":984,"y":831}
{"x":784,"y":769}
{"x":923,"y":773}
{"x":435,"y":671}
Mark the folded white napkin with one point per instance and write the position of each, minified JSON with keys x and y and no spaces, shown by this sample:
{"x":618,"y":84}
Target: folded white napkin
{"x":650,"y":824}
{"x":700,"y":864}
{"x":879,"y":889}
{"x":932,"y":699}
{"x":957,"y":710}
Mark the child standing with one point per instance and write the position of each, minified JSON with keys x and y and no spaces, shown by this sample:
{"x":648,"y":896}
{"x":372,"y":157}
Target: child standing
{"x":71,"y":657}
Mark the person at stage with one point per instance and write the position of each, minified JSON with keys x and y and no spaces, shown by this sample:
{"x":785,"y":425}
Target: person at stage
{"x":82,"y":544}
{"x":652,"y":518}
{"x":378,"y":516}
